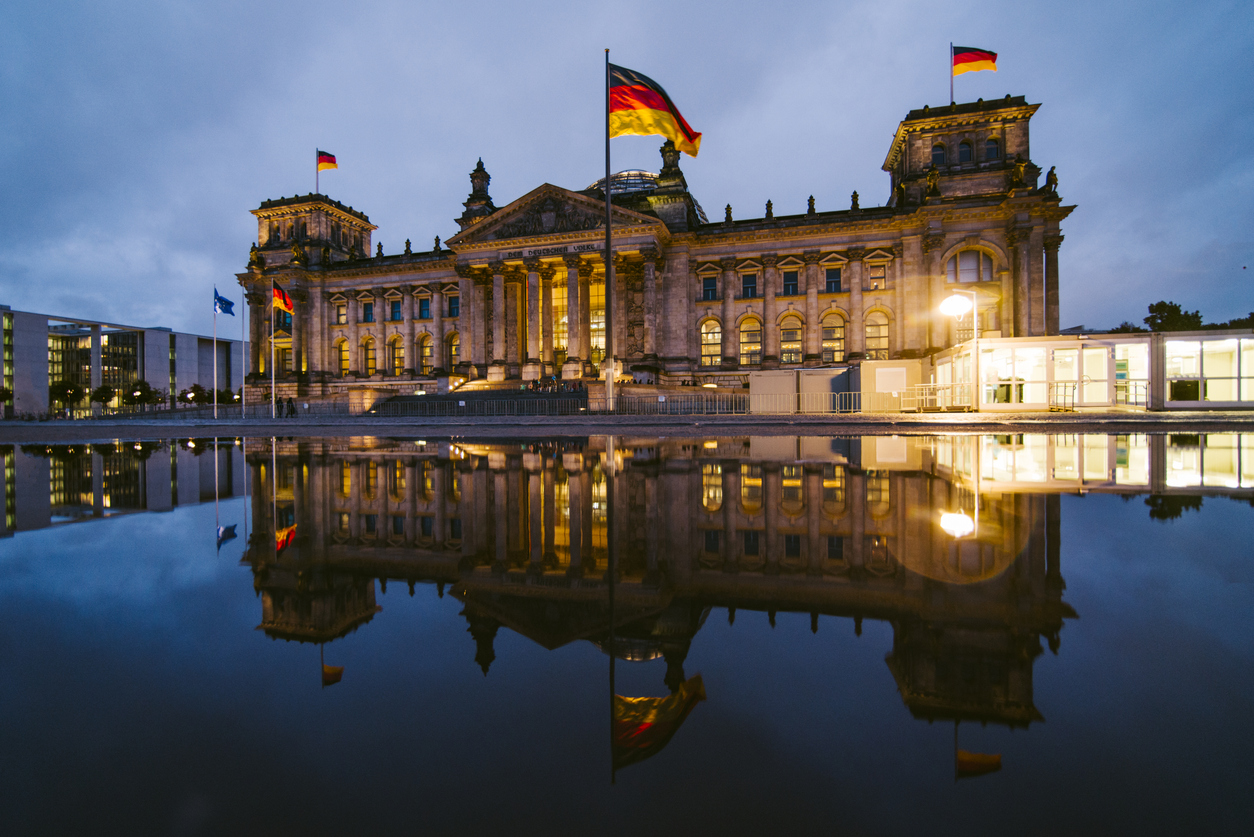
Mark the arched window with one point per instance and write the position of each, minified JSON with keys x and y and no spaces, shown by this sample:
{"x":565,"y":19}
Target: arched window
{"x":992,"y":150}
{"x":711,"y":343}
{"x":790,"y":331}
{"x":454,"y":350}
{"x":938,"y":155}
{"x":876,"y":336}
{"x":833,"y":490}
{"x":425,"y":348}
{"x":964,"y":152}
{"x":396,"y":356}
{"x":750,"y":342}
{"x":368,"y":356}
{"x":833,"y":338}
{"x":751,"y":488}
{"x":792,"y":498}
{"x":712,"y":486}
{"x":341,"y":349}
{"x":969,"y":266}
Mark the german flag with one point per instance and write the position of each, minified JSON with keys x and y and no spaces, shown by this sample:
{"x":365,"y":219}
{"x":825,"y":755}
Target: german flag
{"x":970,"y":59}
{"x":283,"y":539}
{"x":331,"y":674}
{"x":643,"y":726}
{"x":326,"y":161}
{"x":639,"y":106}
{"x":968,"y":765}
{"x":282,"y":300}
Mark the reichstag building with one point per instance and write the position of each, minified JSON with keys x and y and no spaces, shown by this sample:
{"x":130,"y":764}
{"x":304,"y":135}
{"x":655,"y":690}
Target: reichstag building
{"x":519,"y":292}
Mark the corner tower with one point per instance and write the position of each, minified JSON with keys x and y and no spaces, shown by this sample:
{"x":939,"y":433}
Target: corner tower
{"x":325,"y":229}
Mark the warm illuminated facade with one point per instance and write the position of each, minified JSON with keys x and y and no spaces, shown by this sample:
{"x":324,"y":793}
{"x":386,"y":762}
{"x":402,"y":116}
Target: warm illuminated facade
{"x":519,"y":291}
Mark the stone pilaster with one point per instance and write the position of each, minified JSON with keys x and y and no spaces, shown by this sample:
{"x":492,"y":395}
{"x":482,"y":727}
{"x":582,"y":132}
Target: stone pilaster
{"x":813,"y":336}
{"x":585,"y":310}
{"x":855,"y":334}
{"x":1036,"y":281}
{"x":413,"y":363}
{"x":1052,"y":243}
{"x":515,"y":322}
{"x":547,"y":272}
{"x":770,"y":333}
{"x":730,"y":355}
{"x":437,"y":330}
{"x":497,"y":370}
{"x":531,"y":305}
{"x":651,"y":312}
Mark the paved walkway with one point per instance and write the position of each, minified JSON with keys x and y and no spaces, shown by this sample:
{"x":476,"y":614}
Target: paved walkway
{"x":853,"y":424}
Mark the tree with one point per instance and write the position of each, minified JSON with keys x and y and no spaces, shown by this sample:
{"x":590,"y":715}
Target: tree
{"x":6,"y":395}
{"x":1126,"y":327}
{"x":67,"y":392}
{"x":141,"y":392}
{"x":1168,"y":316}
{"x":102,"y":394}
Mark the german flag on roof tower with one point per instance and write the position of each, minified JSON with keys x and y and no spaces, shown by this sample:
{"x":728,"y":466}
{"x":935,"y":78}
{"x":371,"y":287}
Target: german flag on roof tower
{"x":639,"y":106}
{"x":970,"y":59}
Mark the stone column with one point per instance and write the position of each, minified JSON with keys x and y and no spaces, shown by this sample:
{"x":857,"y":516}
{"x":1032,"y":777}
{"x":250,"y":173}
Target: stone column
{"x":531,"y":304}
{"x":546,"y":319}
{"x":731,"y":502}
{"x":730,"y":356}
{"x":1036,"y":281}
{"x":354,"y":334}
{"x":899,"y":301}
{"x":497,"y":370}
{"x":549,"y":476}
{"x":256,"y":331}
{"x":815,"y":554}
{"x":412,"y":361}
{"x":937,"y":323}
{"x":501,"y":518}
{"x":651,"y":527}
{"x":585,"y":311}
{"x":440,"y":500}
{"x":856,"y":497}
{"x":572,"y":463}
{"x":317,"y":333}
{"x":468,"y":315}
{"x":770,"y":334}
{"x":479,"y":326}
{"x":1022,"y":294}
{"x":515,"y":323}
{"x":535,"y":521}
{"x":771,"y":486}
{"x":694,"y":331}
{"x":651,"y":313}
{"x":574,"y":321}
{"x":621,"y":278}
{"x":437,"y":331}
{"x":855,"y":336}
{"x":1052,"y":242}
{"x":913,"y":293}
{"x":300,"y":301}
{"x":813,"y":342}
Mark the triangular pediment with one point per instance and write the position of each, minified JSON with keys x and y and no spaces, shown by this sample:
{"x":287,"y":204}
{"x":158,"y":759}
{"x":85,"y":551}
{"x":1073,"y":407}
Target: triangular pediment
{"x":548,"y":213}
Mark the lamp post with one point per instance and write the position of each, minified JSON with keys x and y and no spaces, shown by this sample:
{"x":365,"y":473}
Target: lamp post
{"x":957,"y":306}
{"x":957,"y":524}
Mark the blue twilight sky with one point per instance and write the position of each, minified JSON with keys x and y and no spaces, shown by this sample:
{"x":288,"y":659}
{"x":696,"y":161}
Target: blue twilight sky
{"x":136,"y":136}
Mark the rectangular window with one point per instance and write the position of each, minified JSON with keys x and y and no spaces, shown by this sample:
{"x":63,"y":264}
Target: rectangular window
{"x":749,"y":285}
{"x":342,"y":522}
{"x":454,"y":306}
{"x":394,"y":313}
{"x":455,"y":528}
{"x":750,"y":344}
{"x":876,"y":277}
{"x":424,"y":309}
{"x":341,"y":314}
{"x":427,"y":526}
{"x":372,"y":523}
{"x":792,"y":546}
{"x":367,"y":312}
{"x":790,"y":345}
{"x":790,"y":283}
{"x":709,"y":288}
{"x":835,"y":548}
{"x":751,"y":543}
{"x":398,"y":526}
{"x":833,"y":280}
{"x":711,"y":541}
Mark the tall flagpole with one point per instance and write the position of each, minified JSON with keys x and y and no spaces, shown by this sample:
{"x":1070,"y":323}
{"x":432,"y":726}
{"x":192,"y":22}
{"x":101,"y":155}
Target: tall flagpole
{"x":243,"y":355}
{"x":612,"y":556}
{"x":215,"y":355}
{"x":273,"y":413}
{"x":951,"y":72}
{"x":317,"y":173}
{"x":609,"y":260}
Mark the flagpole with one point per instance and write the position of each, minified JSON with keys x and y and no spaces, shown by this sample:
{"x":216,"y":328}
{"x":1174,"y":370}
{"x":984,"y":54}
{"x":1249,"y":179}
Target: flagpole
{"x":272,"y":409}
{"x":612,"y":556}
{"x":317,"y":173}
{"x":243,"y":356}
{"x":215,"y":357}
{"x":609,"y":263}
{"x":951,"y":72}
{"x":216,"y":522}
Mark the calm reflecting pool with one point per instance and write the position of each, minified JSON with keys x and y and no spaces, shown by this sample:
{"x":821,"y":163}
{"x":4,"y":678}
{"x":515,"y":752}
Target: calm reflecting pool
{"x":877,"y":635}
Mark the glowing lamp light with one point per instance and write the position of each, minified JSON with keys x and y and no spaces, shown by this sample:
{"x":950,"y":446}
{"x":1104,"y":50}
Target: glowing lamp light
{"x":710,"y":386}
{"x":190,"y":443}
{"x":957,"y":525}
{"x":956,"y":305}
{"x":136,"y":393}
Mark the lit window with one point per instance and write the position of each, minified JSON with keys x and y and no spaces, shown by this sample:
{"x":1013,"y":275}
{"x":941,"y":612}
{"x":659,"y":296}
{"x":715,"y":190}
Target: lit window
{"x":396,"y":356}
{"x":876,"y":277}
{"x":969,"y":266}
{"x":424,"y":350}
{"x":454,"y":349}
{"x":367,"y":349}
{"x":876,"y":336}
{"x":790,"y":340}
{"x":712,"y":486}
{"x":833,"y":339}
{"x":711,"y":343}
{"x":341,"y":314}
{"x":342,"y":348}
{"x":750,"y":343}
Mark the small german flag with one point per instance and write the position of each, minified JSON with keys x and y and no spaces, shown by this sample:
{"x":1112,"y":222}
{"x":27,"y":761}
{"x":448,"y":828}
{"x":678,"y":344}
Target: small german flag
{"x":282,"y":300}
{"x":643,"y":726}
{"x":639,"y":106}
{"x":970,"y":59}
{"x":283,"y":539}
{"x":326,"y":161}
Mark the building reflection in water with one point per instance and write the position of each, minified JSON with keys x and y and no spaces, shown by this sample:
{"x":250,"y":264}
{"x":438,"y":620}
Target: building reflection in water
{"x":844,"y":527}
{"x":51,"y":485}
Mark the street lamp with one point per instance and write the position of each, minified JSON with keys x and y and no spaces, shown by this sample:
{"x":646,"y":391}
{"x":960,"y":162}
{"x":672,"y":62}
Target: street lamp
{"x":959,"y":524}
{"x":957,"y":305}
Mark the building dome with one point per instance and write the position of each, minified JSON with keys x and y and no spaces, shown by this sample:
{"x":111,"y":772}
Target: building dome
{"x":637,"y":180}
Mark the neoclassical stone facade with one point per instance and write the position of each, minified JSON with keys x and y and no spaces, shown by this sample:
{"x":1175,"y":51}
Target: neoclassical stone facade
{"x":519,"y":291}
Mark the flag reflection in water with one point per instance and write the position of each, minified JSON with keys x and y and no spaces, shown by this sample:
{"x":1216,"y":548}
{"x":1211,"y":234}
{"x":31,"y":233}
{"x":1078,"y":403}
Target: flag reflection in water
{"x":644,"y":725}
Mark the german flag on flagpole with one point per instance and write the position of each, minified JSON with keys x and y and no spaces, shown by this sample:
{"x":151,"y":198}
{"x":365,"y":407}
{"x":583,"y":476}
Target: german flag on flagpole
{"x":326,"y":160}
{"x":282,"y":299}
{"x":639,"y":106}
{"x":643,"y":726}
{"x":283,"y":539}
{"x":970,"y":60}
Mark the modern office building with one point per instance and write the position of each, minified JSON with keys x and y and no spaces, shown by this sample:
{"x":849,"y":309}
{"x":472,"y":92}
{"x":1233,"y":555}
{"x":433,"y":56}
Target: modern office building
{"x":40,"y":350}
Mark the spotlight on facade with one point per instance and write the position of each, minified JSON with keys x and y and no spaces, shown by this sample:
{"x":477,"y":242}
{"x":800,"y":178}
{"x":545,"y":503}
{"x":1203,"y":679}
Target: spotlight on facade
{"x":710,"y":386}
{"x":956,"y":306}
{"x":957,"y":524}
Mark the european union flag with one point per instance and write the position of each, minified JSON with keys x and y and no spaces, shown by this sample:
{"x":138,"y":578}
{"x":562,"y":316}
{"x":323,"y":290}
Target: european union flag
{"x":222,"y":305}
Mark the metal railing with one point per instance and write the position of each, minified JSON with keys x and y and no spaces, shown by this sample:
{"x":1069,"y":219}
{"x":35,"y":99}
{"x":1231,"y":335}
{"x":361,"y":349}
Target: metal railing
{"x":807,"y":403}
{"x":1132,"y":393}
{"x":934,"y":398}
{"x":1062,"y":397}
